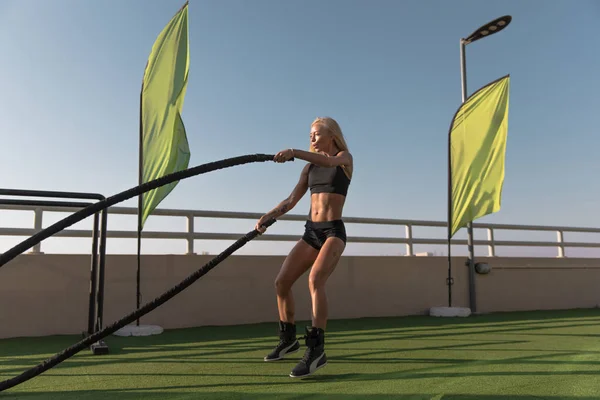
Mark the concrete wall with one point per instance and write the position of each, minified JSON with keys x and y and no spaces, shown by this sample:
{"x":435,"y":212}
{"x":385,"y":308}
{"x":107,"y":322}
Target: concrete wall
{"x":48,"y":294}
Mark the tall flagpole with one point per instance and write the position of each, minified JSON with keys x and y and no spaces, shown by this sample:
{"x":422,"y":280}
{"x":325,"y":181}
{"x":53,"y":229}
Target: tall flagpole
{"x":140,"y":205}
{"x":471,"y":260}
{"x":141,"y":175}
{"x":486,"y":30}
{"x":449,"y":280}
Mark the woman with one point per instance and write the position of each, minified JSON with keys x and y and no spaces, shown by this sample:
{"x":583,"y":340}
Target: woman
{"x":327,"y":175}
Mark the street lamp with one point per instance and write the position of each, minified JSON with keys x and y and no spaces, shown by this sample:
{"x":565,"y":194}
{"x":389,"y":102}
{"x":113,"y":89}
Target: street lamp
{"x":486,"y":30}
{"x":489,"y":29}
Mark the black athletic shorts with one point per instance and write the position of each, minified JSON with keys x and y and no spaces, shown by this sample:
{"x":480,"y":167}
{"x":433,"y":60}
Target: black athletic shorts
{"x":316,"y":233}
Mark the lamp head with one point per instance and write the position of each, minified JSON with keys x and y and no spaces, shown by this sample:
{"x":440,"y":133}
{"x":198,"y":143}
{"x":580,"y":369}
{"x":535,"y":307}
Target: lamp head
{"x":489,"y":29}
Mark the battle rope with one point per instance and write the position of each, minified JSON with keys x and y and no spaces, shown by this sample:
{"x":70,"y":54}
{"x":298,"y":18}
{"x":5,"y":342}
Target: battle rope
{"x":71,"y":351}
{"x":135,"y":191}
{"x":104,"y":204}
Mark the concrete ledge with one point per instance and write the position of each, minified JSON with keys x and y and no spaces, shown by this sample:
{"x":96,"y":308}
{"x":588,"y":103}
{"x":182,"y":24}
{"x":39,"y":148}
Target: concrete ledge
{"x":52,"y":290}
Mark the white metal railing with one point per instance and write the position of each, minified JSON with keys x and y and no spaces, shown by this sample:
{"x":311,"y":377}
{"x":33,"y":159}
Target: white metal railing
{"x":409,"y":240}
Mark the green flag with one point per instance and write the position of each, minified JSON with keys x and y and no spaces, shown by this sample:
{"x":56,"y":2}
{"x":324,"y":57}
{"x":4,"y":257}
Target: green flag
{"x":163,"y":138}
{"x":477,"y":152}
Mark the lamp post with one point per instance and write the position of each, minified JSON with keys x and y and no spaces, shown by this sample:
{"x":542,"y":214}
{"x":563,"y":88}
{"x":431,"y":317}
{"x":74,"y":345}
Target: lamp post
{"x":486,"y":30}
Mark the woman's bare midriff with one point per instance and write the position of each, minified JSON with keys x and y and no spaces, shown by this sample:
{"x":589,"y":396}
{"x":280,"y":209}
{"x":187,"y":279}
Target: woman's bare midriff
{"x":326,"y":207}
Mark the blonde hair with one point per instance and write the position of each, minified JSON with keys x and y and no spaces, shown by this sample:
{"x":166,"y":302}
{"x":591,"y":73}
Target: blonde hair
{"x":335,"y":131}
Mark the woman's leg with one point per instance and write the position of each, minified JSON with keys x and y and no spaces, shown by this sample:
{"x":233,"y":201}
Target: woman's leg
{"x":314,"y":357}
{"x":296,"y":263}
{"x":323,"y":267}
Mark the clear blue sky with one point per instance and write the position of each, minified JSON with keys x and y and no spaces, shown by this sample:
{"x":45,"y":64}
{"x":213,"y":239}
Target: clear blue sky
{"x":260,"y":72}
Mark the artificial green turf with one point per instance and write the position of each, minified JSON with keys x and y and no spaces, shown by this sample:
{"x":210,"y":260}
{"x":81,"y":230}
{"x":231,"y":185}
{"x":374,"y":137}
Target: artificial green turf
{"x":533,"y":355}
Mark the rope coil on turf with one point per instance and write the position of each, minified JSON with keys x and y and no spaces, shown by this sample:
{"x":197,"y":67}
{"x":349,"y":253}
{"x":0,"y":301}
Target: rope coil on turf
{"x":101,"y":205}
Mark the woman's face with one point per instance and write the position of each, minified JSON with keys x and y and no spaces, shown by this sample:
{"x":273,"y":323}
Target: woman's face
{"x":320,"y":138}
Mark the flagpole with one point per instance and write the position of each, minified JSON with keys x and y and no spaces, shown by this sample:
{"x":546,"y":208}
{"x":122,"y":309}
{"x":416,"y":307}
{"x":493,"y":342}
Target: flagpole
{"x":486,"y":30}
{"x":140,"y":206}
{"x":141,"y":169}
{"x":471,"y":260}
{"x":449,"y":280}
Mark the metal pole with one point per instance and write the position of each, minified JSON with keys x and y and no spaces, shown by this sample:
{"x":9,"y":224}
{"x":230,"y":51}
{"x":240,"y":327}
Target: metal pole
{"x":138,"y":294}
{"x":449,"y":279}
{"x":94,"y":269}
{"x":100,"y":346}
{"x":102,"y":268}
{"x":471,"y":261}
{"x":463,"y":70}
{"x":93,"y":272}
{"x":47,"y":193}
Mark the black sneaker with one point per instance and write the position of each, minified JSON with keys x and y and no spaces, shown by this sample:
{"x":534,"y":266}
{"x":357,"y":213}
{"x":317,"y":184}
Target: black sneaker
{"x":287,"y":344}
{"x":314,"y":356}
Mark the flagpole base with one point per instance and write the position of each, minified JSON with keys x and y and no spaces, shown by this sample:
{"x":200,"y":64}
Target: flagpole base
{"x":141,"y":330}
{"x":449,"y":312}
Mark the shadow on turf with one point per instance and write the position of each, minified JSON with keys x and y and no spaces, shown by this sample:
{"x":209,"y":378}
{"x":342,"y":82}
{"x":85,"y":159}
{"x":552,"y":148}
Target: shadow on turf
{"x":210,"y":344}
{"x":124,"y":394}
{"x":186,"y":339}
{"x":209,"y":353}
{"x":362,"y":356}
{"x":435,"y":371}
{"x":387,"y":327}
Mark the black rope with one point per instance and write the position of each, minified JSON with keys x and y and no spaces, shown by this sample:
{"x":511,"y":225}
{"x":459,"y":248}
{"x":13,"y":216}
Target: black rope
{"x":136,"y":191}
{"x":71,"y":351}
